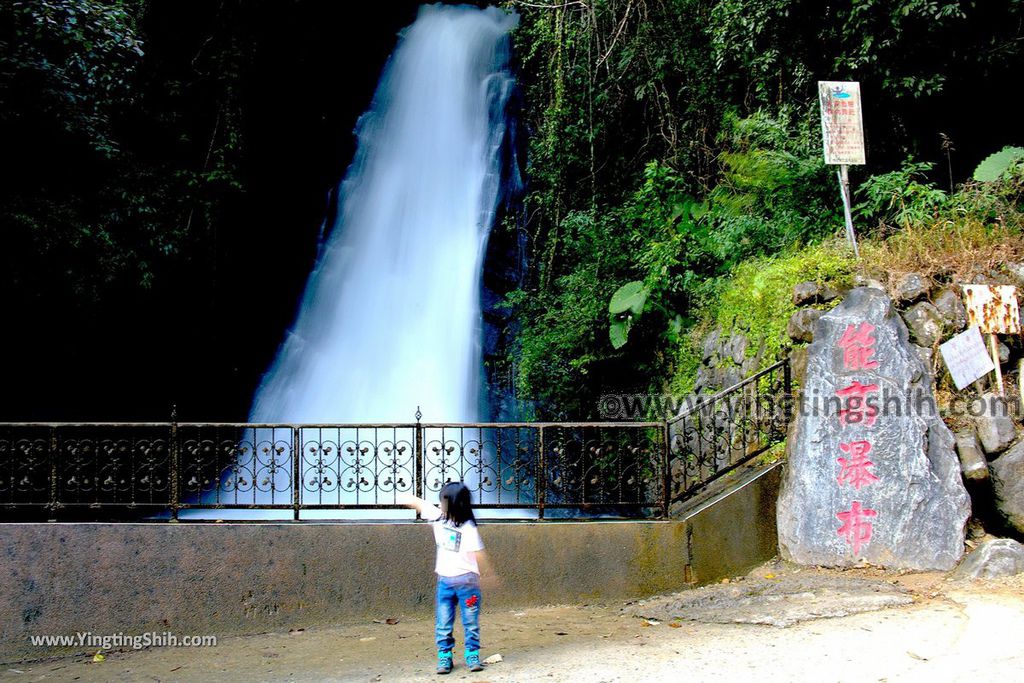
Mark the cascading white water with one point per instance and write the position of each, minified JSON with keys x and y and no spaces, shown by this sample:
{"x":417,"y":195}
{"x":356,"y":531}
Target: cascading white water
{"x":390,"y":319}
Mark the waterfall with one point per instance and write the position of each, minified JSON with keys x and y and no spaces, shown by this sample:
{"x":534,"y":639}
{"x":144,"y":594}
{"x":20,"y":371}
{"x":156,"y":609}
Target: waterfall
{"x":390,"y":319}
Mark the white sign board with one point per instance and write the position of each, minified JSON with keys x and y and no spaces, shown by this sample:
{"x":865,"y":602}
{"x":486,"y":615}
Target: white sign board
{"x":966,"y":357}
{"x":842,"y":124}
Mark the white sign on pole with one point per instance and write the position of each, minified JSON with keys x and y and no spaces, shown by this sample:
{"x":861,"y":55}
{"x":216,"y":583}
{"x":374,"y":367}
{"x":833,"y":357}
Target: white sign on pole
{"x":966,"y":357}
{"x":842,"y":124}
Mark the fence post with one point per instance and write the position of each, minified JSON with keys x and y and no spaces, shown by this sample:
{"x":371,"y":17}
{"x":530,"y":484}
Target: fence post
{"x":418,"y":440}
{"x":53,"y":475}
{"x":666,"y":464}
{"x":541,"y":477}
{"x":175,"y":465}
{"x":297,"y":471}
{"x":789,"y":403}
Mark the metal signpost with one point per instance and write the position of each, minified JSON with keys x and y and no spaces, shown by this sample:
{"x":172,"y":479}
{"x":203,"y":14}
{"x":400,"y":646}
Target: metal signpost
{"x":842,"y":131}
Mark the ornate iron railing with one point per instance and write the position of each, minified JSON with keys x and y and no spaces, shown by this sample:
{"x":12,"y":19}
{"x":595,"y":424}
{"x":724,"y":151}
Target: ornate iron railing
{"x":727,"y":430}
{"x":169,"y":470}
{"x":161,"y":470}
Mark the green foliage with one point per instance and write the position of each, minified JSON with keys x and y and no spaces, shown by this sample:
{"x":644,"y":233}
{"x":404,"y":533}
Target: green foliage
{"x":110,"y":211}
{"x":72,"y":60}
{"x":629,"y":298}
{"x":774,"y":189}
{"x":645,"y":263}
{"x":563,"y":332}
{"x":757,"y":297}
{"x":902,"y":198}
{"x":682,"y":137}
{"x":979,"y":227}
{"x":626,"y":305}
{"x":998,"y":165}
{"x":610,"y":85}
{"x":771,"y":49}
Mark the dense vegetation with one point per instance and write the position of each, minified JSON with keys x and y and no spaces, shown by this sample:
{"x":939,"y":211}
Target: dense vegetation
{"x":166,"y":170}
{"x":676,"y":171}
{"x":168,"y":164}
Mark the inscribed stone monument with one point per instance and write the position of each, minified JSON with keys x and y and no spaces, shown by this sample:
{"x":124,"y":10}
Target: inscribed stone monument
{"x":871,"y":473}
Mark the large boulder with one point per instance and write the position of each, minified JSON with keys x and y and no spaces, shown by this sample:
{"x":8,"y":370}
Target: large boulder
{"x":992,"y":420}
{"x":806,"y":293}
{"x":1008,"y":485}
{"x":868,"y":281}
{"x":993,"y":558}
{"x":798,"y":364}
{"x":874,"y":479}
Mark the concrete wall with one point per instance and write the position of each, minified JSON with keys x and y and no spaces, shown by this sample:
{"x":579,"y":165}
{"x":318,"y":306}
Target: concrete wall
{"x":229,"y":579}
{"x":735,"y":531}
{"x":248,"y":578}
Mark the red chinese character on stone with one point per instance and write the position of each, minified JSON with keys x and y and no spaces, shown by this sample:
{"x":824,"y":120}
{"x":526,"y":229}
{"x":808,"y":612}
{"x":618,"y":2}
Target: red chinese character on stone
{"x":858,"y":344}
{"x":855,"y":468}
{"x":857,"y":410}
{"x":856,"y":531}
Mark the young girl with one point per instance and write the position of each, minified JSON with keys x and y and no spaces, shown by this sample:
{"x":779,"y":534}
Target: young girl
{"x":460,"y":557}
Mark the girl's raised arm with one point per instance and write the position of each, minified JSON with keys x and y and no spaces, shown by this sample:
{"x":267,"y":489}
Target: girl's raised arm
{"x":421,"y":506}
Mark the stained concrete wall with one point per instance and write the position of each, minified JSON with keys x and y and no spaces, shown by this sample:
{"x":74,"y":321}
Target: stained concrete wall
{"x":734,"y":531}
{"x":222,"y":579}
{"x":230,"y":579}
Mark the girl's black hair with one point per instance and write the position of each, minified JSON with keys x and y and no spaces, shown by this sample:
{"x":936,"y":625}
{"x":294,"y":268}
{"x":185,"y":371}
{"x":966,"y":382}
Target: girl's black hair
{"x":456,"y":505}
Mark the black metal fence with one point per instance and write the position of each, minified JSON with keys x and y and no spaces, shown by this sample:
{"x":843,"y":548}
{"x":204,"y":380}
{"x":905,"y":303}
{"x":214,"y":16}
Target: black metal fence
{"x":168,"y":470}
{"x":65,"y":470}
{"x":719,"y":433}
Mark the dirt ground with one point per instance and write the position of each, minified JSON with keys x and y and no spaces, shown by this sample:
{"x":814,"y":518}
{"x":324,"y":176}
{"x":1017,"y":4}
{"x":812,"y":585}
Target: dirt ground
{"x":939,"y":630}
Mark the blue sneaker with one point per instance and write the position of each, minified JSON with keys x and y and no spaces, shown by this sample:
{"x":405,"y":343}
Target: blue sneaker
{"x":444,"y":662}
{"x":473,"y":661}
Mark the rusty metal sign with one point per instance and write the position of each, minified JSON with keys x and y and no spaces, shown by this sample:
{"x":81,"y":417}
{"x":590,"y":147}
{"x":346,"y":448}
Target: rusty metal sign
{"x":993,"y":308}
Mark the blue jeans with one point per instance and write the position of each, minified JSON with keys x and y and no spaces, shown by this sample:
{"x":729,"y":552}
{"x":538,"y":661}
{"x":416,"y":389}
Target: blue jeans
{"x":462,"y":591}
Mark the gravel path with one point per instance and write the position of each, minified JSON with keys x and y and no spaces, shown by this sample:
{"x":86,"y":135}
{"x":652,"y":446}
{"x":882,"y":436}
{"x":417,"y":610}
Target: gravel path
{"x":945,"y":631}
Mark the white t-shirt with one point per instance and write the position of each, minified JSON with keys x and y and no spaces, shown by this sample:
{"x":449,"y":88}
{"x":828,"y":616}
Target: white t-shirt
{"x":456,"y":546}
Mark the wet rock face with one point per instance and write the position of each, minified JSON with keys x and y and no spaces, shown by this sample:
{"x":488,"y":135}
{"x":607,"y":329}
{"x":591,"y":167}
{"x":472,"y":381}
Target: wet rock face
{"x":1008,"y":485}
{"x":997,"y":557}
{"x":870,"y":475}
